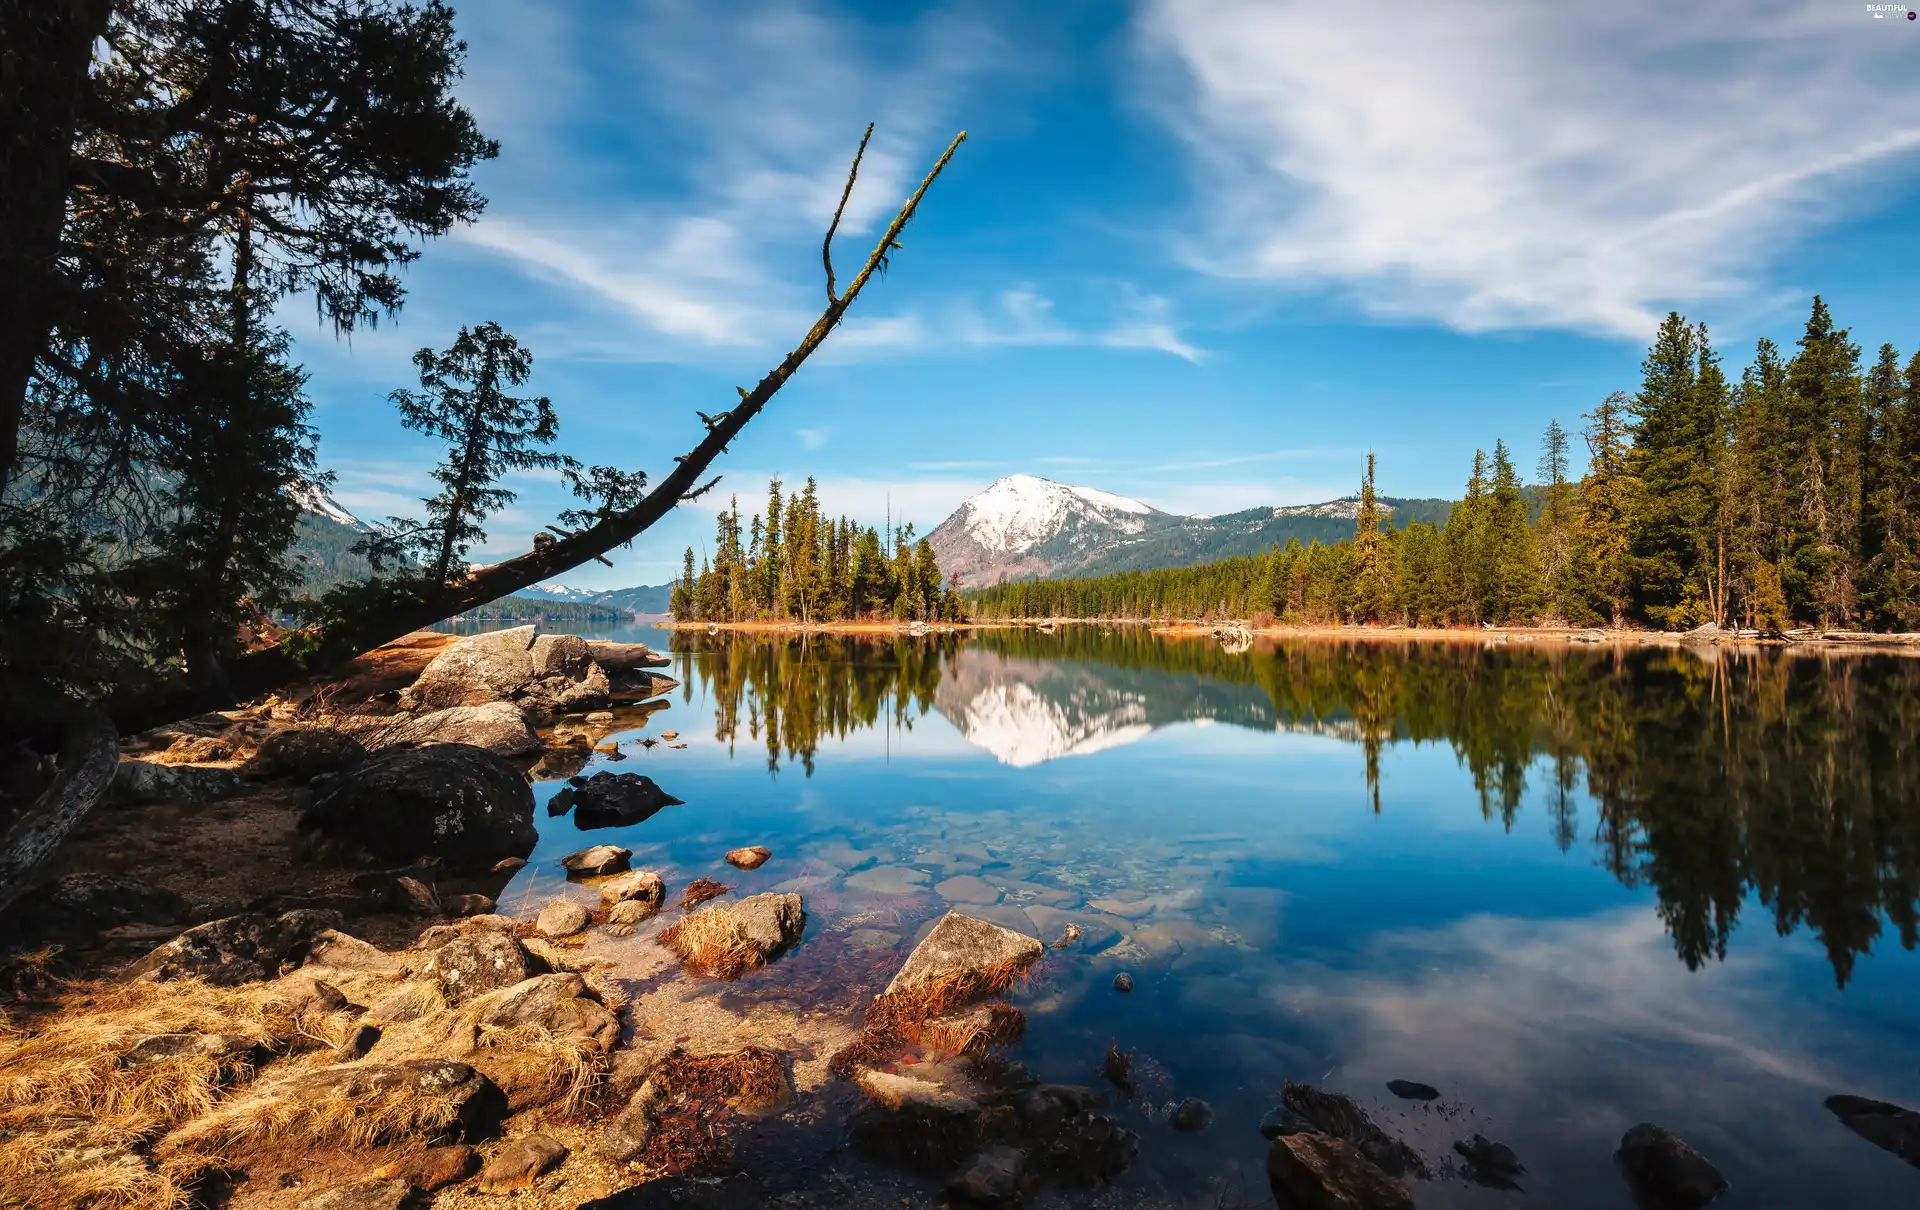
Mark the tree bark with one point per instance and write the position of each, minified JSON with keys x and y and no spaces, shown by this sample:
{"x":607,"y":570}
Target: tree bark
{"x":45,"y":50}
{"x":89,"y":757}
{"x":265,"y":670}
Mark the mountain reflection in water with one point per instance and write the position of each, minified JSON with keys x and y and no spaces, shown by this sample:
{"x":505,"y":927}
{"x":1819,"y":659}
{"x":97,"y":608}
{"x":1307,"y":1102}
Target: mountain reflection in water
{"x":1709,"y":775}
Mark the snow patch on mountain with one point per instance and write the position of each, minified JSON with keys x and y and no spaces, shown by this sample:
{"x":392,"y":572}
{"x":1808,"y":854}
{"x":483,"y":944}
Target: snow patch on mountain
{"x":1020,"y":512}
{"x":316,"y":500}
{"x":1347,"y":508}
{"x":563,"y":592}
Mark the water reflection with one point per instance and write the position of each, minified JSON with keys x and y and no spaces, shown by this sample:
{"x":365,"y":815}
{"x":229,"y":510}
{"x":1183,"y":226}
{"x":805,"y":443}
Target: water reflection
{"x":1709,"y":776}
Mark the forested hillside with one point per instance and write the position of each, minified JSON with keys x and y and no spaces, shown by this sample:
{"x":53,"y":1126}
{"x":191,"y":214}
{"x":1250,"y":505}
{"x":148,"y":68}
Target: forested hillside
{"x":1790,"y":497}
{"x":798,"y":564}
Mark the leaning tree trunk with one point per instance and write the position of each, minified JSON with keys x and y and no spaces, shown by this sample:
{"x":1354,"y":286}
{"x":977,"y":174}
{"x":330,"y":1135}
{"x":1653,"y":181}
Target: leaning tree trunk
{"x":262,"y":671}
{"x":89,"y":756}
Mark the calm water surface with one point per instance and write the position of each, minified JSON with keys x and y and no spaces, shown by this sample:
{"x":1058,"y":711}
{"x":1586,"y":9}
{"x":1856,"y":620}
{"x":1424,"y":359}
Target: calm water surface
{"x":1573,"y":889}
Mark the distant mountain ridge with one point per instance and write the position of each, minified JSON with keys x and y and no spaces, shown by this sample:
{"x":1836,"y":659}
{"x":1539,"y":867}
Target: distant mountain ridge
{"x":1026,"y":527}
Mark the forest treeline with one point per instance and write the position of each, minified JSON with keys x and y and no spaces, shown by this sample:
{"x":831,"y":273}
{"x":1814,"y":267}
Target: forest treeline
{"x":800,"y":565}
{"x":1789,"y":497}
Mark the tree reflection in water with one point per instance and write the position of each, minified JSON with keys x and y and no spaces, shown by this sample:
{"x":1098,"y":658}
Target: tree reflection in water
{"x":1712,"y":773}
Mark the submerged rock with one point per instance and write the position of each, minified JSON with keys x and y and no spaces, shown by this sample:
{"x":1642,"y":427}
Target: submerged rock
{"x":612,"y":800}
{"x":461,"y":804}
{"x":1664,"y":1172}
{"x":1192,"y":1114}
{"x":1489,"y":1163}
{"x":1281,"y":1121}
{"x":237,"y":949}
{"x":1338,"y":1116}
{"x":995,"y":1179}
{"x":1315,"y":1172}
{"x":734,"y":1192}
{"x":1881,"y":1123}
{"x":635,"y":886}
{"x":1123,"y":982}
{"x":750,"y":858}
{"x":1412,"y":1090}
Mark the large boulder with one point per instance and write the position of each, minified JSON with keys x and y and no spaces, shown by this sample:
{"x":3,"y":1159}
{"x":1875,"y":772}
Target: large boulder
{"x":542,"y":674}
{"x":87,"y":904}
{"x":461,"y":804}
{"x":611,"y":800}
{"x":623,"y":657}
{"x":1315,"y":1172}
{"x":303,"y":753}
{"x":499,"y":727}
{"x":433,"y":1100}
{"x":1666,"y":1173}
{"x":238,"y":949}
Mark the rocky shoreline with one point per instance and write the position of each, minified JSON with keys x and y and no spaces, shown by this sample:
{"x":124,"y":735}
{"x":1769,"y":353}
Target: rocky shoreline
{"x":278,"y":974}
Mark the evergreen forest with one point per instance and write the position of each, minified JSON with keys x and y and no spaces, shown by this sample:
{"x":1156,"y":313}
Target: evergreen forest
{"x":799,"y":565}
{"x":1787,"y":498}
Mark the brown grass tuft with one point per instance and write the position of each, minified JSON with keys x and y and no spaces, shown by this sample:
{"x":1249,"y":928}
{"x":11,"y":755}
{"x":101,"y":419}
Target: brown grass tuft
{"x":972,"y":1031}
{"x":901,"y":1018}
{"x":712,"y":943}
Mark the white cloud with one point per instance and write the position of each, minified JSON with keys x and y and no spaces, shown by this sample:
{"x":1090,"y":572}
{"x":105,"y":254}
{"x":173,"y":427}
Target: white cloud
{"x":813,"y":439}
{"x":1494,"y":165}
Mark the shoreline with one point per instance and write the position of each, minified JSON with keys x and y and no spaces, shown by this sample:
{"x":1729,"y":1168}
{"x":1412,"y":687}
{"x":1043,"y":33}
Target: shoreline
{"x":1852,"y":640}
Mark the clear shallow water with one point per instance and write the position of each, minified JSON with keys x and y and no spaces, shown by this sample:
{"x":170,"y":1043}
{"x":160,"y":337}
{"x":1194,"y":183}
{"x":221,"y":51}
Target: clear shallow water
{"x":1572,"y":889}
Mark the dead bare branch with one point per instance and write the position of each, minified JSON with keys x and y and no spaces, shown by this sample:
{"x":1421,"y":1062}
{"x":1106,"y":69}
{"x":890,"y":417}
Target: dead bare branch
{"x":826,"y":246}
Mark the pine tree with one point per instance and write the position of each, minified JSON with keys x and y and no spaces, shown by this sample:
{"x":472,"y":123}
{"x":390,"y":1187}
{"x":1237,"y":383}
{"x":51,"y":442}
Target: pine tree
{"x":465,"y":403}
{"x":1558,"y":584}
{"x":1679,"y":423}
{"x":1515,"y":583}
{"x":1603,"y":532}
{"x":1372,"y":588}
{"x":1822,"y":397}
{"x":1893,"y":572}
{"x":681,"y":603}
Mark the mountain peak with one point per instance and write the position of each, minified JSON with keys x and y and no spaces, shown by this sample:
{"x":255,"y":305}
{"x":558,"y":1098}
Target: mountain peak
{"x":1019,"y":512}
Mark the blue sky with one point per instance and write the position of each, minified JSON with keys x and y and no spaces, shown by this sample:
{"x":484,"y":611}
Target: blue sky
{"x":1205,"y":254}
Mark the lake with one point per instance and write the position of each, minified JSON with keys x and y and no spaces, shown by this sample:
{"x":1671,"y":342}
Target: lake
{"x":1573,"y":888}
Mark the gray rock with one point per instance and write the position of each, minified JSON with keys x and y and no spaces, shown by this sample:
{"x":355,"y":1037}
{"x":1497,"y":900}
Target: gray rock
{"x":627,"y":1136}
{"x":561,"y":1004}
{"x":303,"y":753}
{"x":331,"y":948}
{"x":967,"y":888}
{"x":612,"y":800}
{"x":461,"y":804}
{"x":1123,"y":983}
{"x":1314,"y":1172}
{"x":417,"y":896}
{"x":499,"y":727}
{"x":552,"y":674}
{"x":561,"y":919}
{"x":1192,"y":1115}
{"x":362,"y":1195}
{"x":517,"y":1164}
{"x":994,"y":1180}
{"x":1664,"y":1172}
{"x":1095,"y":933}
{"x":889,"y":880}
{"x":623,"y":918}
{"x":624,"y":657}
{"x":480,"y":961}
{"x":237,"y":949}
{"x":635,"y":886}
{"x":1280,"y":1121}
{"x":90,"y":903}
{"x":1489,"y":1163}
{"x":138,"y":782}
{"x":600,"y":859}
{"x":1881,"y":1123}
{"x":966,"y":958}
{"x":227,"y":1049}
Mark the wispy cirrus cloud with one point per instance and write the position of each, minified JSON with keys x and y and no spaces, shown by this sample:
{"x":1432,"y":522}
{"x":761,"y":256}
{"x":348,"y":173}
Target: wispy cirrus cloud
{"x":1490,"y":165}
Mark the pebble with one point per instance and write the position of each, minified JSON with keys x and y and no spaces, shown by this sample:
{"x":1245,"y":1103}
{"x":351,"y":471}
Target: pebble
{"x":1192,"y":1114}
{"x":1123,"y":982}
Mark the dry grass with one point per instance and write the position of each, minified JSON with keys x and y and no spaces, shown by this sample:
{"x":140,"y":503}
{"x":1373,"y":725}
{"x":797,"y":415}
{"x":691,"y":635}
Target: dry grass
{"x":75,"y":1121}
{"x":699,"y":891}
{"x":704,"y":1093}
{"x":712,"y":943}
{"x":972,"y":1032}
{"x":901,"y":1018}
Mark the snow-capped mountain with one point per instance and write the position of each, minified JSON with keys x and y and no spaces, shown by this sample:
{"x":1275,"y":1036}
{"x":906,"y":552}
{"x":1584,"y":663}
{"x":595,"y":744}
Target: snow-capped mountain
{"x":319,"y":502}
{"x":1026,"y":527}
{"x":562,"y":592}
